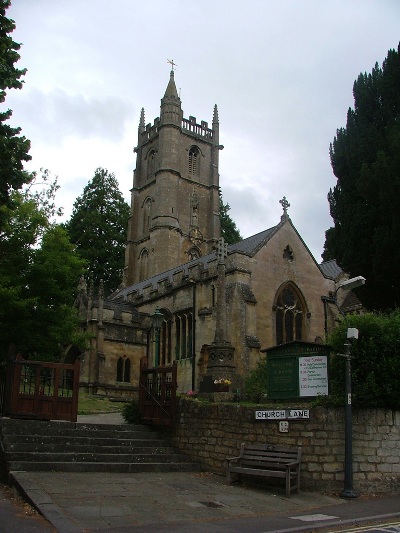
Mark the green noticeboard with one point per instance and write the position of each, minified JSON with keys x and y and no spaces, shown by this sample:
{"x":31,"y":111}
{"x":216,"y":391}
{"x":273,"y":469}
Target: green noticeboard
{"x":297,"y":369}
{"x":283,"y":377}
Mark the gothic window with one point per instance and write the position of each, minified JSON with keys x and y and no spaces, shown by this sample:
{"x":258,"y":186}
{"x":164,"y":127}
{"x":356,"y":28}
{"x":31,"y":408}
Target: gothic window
{"x":183,"y":335}
{"x":144,"y":263}
{"x":289,"y":315}
{"x":120,"y":369}
{"x":151,"y":164}
{"x":166,"y":341}
{"x":194,"y":161}
{"x":146,"y":215}
{"x":124,"y":370}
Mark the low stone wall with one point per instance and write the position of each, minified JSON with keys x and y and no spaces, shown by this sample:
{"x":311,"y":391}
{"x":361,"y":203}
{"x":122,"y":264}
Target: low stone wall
{"x":210,"y":432}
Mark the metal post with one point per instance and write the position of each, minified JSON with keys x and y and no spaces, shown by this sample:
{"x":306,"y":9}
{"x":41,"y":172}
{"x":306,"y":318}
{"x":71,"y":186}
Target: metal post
{"x":194,"y":336}
{"x":157,"y":332}
{"x":348,"y":491}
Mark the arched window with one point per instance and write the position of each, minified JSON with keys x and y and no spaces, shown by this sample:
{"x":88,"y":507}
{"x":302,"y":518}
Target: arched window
{"x":146,"y":215}
{"x":289,"y":315}
{"x":194,"y":161}
{"x":151,"y":164}
{"x":144,"y":263}
{"x":120,"y":369}
{"x":124,"y":370}
{"x":183,"y":335}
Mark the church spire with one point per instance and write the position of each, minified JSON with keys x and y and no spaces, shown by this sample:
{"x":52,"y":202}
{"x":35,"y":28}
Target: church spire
{"x":171,"y":111}
{"x":141,"y":121}
{"x":171,"y":91}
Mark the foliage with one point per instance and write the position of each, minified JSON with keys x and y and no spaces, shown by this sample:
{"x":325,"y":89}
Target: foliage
{"x":229,"y":231}
{"x":98,"y":228}
{"x":256,"y":383}
{"x":39,"y":269}
{"x":365,"y":202}
{"x":375,"y":361}
{"x":131,"y":412}
{"x":13,"y":148}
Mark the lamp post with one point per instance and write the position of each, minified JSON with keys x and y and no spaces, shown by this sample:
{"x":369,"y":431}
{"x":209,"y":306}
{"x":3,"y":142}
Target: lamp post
{"x":352,"y":334}
{"x":348,"y":491}
{"x":157,"y":319}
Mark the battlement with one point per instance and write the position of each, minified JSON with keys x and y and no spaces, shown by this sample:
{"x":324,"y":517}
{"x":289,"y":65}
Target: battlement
{"x":202,"y":129}
{"x":189,"y":125}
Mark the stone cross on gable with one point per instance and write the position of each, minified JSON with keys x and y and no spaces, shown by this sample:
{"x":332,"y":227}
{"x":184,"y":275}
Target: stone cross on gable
{"x":285,"y":204}
{"x":171,"y":62}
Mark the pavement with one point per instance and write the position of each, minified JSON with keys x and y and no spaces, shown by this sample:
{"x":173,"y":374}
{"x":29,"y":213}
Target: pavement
{"x":189,"y":502}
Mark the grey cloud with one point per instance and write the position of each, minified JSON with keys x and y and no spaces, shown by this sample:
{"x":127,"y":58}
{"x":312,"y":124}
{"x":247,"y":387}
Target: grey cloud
{"x":54,"y":116}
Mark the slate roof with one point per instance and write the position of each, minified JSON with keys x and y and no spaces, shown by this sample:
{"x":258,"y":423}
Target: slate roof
{"x":331,"y":269}
{"x":248,"y":246}
{"x":252,"y":244}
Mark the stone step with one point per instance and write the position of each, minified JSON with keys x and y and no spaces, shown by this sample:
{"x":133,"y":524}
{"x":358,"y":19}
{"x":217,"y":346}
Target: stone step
{"x":27,"y":466}
{"x":35,"y":427}
{"x":113,"y":445}
{"x":34,"y":445}
{"x":152,"y":456}
{"x":83,"y":439}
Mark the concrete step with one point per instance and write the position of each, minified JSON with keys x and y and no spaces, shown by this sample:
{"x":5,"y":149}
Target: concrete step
{"x":152,"y":456}
{"x":26,"y":466}
{"x":34,"y":445}
{"x":111,"y":446}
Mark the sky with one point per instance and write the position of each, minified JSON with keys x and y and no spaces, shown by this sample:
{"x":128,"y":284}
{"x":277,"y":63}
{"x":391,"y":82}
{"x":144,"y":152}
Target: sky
{"x":280,"y":71}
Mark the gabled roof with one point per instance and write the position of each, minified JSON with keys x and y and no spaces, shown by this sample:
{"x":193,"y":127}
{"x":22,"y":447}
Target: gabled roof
{"x":249,"y":246}
{"x":331,"y":269}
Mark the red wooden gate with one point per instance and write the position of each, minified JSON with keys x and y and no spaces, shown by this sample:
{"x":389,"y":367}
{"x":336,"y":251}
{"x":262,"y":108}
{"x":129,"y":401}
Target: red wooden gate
{"x":39,"y":390}
{"x":157,"y":393}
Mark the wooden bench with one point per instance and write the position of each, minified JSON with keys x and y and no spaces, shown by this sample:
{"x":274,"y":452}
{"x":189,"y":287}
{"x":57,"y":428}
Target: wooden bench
{"x":267,"y":461}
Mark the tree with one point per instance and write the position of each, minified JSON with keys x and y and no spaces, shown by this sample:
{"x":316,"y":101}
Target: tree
{"x":375,"y":361}
{"x":365,"y":202}
{"x":13,"y":148}
{"x":39,"y":270}
{"x":229,"y":231}
{"x":98,"y":227}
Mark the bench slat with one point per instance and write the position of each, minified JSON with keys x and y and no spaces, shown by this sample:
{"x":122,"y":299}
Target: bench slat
{"x":268,"y":461}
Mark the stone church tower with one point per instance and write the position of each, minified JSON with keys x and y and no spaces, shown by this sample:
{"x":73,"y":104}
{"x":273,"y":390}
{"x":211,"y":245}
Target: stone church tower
{"x":175,"y":201}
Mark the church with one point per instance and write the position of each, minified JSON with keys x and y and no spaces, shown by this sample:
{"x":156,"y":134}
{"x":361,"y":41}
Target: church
{"x":215,"y":305}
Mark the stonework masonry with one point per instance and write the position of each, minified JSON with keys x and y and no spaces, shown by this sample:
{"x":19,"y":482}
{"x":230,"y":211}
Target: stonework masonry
{"x":211,"y":432}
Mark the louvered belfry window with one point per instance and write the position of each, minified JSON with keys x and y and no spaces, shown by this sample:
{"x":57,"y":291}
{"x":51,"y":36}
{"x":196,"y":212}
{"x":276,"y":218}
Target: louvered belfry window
{"x":193,"y":161}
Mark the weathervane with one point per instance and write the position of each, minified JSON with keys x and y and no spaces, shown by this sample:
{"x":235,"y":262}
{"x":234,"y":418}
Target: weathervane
{"x":171,"y":62}
{"x":285,"y":204}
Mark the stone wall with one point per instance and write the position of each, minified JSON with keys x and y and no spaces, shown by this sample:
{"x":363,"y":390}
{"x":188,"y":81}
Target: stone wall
{"x":210,"y":432}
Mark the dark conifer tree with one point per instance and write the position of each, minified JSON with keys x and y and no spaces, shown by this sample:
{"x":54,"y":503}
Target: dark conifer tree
{"x":229,"y":230}
{"x":365,"y":202}
{"x":98,"y":227}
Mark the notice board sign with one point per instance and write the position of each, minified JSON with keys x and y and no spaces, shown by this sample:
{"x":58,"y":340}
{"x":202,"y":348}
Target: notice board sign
{"x":313,"y":375}
{"x":297,"y":370}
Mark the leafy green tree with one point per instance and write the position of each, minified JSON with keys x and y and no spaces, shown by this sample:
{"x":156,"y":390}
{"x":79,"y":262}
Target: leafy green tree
{"x":229,"y":231}
{"x":365,"y":202}
{"x":39,"y":270}
{"x":98,"y":227}
{"x":13,"y":148}
{"x":375,"y":361}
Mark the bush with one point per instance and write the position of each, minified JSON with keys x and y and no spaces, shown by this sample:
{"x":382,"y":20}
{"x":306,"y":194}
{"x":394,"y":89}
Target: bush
{"x":375,"y":362}
{"x":256,"y":383}
{"x":131,"y":412}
